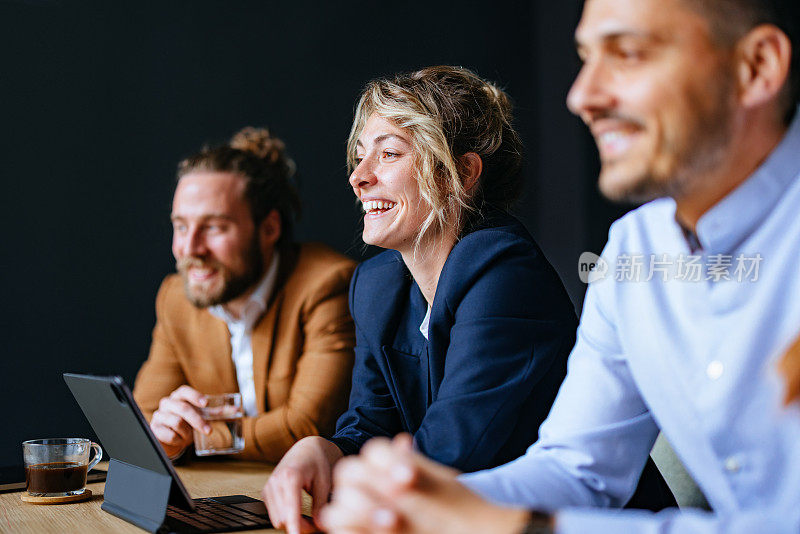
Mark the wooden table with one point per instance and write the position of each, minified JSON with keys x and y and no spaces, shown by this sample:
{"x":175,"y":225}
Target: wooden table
{"x":206,"y":478}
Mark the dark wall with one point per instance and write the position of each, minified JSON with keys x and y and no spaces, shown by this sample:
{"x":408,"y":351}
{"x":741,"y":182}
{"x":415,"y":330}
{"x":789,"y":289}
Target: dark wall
{"x":100,"y":101}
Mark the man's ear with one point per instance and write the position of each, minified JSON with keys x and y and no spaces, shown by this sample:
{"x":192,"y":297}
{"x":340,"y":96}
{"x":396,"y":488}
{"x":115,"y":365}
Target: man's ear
{"x":763,"y":62}
{"x":270,"y":229}
{"x":473,"y":166}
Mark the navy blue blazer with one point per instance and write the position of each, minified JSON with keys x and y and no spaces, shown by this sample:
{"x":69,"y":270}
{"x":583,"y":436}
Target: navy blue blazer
{"x":501,"y":328}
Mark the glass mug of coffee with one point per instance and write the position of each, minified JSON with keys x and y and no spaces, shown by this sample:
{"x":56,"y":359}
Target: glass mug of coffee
{"x":58,"y":467}
{"x":224,"y":414}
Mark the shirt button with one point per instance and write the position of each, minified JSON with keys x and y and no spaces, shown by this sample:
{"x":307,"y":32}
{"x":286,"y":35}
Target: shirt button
{"x":732,"y":464}
{"x":715,"y":369}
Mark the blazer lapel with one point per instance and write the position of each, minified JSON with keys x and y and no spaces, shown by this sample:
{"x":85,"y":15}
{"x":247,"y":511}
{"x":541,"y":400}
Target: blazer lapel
{"x":263,"y":342}
{"x":379,"y":312}
{"x":216,"y":343}
{"x":262,"y":339}
{"x":377,"y":316}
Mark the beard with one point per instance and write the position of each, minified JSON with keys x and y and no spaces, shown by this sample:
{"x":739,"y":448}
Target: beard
{"x":684,"y":154}
{"x":233,"y":284}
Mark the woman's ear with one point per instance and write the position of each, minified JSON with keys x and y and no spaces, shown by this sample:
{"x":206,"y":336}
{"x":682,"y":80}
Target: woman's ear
{"x":473,"y":166}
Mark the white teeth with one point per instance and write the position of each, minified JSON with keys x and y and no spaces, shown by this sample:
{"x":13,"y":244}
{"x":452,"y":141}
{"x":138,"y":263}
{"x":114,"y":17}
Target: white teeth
{"x":610,"y":137}
{"x":374,"y":205}
{"x":199,"y":273}
{"x":614,"y":143}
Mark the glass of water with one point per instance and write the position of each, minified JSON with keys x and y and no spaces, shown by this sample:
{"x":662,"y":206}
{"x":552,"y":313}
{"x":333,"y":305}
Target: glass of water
{"x":224,"y":414}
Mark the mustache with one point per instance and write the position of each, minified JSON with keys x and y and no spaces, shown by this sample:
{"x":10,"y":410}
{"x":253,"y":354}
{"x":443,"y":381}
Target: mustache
{"x":612,"y":115}
{"x":187,"y":263}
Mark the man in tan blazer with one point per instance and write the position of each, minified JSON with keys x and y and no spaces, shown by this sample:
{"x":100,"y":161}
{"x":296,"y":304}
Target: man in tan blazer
{"x":249,"y":310}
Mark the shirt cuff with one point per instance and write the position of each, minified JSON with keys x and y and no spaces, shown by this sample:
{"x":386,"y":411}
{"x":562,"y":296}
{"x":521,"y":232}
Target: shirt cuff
{"x":675,"y":521}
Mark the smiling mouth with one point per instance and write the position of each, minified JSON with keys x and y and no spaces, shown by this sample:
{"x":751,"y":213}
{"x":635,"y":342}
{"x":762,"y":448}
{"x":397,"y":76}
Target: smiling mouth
{"x":615,"y":143}
{"x":200,"y":274}
{"x":377,"y":207}
{"x":615,"y":135}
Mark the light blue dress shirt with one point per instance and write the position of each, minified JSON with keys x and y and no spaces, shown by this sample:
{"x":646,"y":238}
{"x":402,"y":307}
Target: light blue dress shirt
{"x":692,"y":355}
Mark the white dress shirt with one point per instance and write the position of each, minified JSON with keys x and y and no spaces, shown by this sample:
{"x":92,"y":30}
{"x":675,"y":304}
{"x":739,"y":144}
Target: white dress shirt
{"x":693,"y":358}
{"x":240,"y":331}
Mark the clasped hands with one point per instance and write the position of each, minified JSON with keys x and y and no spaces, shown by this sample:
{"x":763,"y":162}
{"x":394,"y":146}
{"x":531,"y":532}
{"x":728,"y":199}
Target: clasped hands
{"x":387,"y":489}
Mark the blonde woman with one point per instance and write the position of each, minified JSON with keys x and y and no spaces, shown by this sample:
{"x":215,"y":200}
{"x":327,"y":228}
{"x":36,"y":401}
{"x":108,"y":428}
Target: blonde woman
{"x":462,"y":326}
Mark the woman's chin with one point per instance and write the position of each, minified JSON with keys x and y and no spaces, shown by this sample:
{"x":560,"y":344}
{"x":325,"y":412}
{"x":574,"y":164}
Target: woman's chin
{"x":381,"y":243}
{"x":377,"y":237}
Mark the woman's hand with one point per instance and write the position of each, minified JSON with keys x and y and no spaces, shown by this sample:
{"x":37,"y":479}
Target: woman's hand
{"x":307,"y":466}
{"x":390,"y":489}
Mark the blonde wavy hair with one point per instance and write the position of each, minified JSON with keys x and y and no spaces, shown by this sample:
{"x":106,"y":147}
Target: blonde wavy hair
{"x":449,"y":112}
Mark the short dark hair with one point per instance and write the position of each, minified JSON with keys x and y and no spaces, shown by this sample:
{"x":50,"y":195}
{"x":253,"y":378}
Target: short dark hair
{"x":732,"y":19}
{"x":261,"y":160}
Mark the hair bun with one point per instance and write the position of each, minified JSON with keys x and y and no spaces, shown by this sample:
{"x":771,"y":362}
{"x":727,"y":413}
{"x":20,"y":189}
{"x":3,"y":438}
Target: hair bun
{"x":499,"y":98}
{"x":260,"y":143}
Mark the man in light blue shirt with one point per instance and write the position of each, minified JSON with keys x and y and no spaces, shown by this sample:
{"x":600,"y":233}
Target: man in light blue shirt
{"x":691,"y":102}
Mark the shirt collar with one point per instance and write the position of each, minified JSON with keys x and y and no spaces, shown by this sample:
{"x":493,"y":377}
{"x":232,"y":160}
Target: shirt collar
{"x":257,"y":302}
{"x":691,"y":238}
{"x":729,"y":222}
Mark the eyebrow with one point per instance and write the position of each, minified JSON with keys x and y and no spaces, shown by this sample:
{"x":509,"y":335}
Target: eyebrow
{"x":384,"y":137}
{"x":617,"y":35}
{"x":203,"y":217}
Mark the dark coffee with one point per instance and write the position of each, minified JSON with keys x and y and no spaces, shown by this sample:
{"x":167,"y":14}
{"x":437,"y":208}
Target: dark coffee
{"x":56,"y":477}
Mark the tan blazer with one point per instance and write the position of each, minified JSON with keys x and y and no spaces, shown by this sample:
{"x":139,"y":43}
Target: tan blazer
{"x":302,"y":352}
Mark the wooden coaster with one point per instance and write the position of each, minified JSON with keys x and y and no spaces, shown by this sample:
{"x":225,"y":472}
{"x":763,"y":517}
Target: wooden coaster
{"x":86,"y":495}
